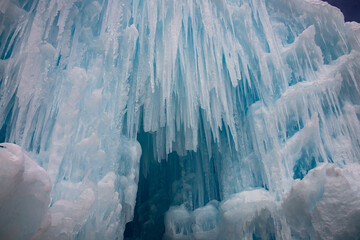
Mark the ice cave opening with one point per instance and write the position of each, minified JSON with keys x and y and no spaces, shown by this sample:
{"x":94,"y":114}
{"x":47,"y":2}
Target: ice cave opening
{"x":176,"y":180}
{"x":155,"y":192}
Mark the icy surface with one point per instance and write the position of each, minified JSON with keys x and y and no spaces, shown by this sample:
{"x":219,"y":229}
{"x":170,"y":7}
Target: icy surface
{"x":24,"y":195}
{"x":233,"y":103}
{"x":324,"y":205}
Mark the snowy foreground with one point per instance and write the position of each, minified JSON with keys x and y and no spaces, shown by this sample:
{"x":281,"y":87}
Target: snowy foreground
{"x":187,"y":119}
{"x":313,"y":207}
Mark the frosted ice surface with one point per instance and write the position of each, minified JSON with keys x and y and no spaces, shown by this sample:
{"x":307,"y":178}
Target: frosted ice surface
{"x":323,"y":205}
{"x":327,"y":196}
{"x":24,"y":195}
{"x":250,"y":95}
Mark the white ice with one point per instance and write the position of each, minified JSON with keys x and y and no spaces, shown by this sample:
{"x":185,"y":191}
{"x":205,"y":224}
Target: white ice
{"x":255,"y":97}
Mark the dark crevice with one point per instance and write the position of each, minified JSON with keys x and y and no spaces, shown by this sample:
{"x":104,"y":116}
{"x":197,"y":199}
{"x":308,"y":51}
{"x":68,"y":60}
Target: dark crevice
{"x":173,"y":181}
{"x":155,"y":192}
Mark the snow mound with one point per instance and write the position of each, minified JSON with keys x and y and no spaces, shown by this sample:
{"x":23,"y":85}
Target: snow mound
{"x":24,"y":195}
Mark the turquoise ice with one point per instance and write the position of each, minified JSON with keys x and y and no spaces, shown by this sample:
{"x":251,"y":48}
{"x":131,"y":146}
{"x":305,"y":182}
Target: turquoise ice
{"x":187,"y":119}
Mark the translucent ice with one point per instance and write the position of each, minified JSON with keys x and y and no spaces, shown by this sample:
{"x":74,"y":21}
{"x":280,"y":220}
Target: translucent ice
{"x":311,"y":209}
{"x":233,"y":104}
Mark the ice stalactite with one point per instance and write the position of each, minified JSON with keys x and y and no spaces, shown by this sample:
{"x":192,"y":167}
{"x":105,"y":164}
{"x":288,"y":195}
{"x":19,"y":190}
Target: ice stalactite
{"x":239,"y":106}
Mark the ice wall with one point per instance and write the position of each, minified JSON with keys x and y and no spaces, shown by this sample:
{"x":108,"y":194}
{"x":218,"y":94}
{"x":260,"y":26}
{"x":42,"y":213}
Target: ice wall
{"x":62,"y":104}
{"x":312,"y":209}
{"x":249,"y":94}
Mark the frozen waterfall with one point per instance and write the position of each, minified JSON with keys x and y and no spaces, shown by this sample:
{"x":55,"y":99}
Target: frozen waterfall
{"x":184,"y":119}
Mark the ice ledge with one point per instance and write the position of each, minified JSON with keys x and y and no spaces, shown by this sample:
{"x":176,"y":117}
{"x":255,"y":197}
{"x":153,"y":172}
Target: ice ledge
{"x":311,"y":209}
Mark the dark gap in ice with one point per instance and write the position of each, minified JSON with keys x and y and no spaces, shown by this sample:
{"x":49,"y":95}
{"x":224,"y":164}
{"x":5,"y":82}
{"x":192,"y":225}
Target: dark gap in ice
{"x":173,"y":181}
{"x":303,"y":166}
{"x":5,"y":129}
{"x":155,"y":192}
{"x":3,"y":133}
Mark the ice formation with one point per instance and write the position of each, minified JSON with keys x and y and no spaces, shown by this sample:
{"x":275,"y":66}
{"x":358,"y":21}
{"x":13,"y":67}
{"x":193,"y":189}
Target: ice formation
{"x":24,"y":195}
{"x":187,"y":119}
